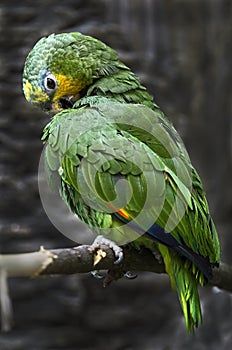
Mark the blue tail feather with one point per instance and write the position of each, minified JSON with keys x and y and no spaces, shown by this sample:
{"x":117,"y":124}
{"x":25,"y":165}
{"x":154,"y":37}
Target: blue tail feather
{"x":158,"y":234}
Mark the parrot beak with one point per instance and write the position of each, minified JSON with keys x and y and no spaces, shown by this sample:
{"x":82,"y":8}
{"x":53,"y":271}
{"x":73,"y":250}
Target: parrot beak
{"x":67,"y":102}
{"x":57,"y":106}
{"x":51,"y":108}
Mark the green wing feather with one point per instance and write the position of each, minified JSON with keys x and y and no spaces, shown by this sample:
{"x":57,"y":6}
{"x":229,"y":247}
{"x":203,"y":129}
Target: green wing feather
{"x":72,"y":139}
{"x":103,"y":141}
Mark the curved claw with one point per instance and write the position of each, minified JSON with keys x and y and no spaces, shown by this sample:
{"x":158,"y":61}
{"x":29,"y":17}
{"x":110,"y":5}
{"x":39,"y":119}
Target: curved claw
{"x":119,"y":255}
{"x":130,"y":275}
{"x":97,"y":274}
{"x":118,"y":252}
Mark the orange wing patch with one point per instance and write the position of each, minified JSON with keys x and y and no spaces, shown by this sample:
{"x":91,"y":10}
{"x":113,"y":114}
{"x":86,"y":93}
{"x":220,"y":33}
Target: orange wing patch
{"x":123,"y":213}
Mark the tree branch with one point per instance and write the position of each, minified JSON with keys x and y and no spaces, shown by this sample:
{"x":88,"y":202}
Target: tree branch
{"x":86,"y":258}
{"x":81,"y":259}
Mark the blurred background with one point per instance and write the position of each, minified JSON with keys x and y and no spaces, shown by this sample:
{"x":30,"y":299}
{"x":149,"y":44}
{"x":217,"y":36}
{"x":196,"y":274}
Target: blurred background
{"x":182,"y":52}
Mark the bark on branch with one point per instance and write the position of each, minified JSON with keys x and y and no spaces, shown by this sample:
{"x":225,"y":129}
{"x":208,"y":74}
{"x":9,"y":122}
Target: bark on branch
{"x":82,"y":259}
{"x":85,"y":258}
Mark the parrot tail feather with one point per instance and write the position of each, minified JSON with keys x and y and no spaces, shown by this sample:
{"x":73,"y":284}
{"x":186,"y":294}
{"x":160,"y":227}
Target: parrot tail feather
{"x":185,"y":282}
{"x":186,"y":286}
{"x":164,"y":237}
{"x":157,"y":233}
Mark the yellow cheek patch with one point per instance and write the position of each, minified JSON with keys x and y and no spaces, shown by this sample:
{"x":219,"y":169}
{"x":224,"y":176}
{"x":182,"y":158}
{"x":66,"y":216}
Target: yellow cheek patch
{"x":67,"y":86}
{"x":41,"y":96}
{"x":34,"y":95}
{"x":27,"y":88}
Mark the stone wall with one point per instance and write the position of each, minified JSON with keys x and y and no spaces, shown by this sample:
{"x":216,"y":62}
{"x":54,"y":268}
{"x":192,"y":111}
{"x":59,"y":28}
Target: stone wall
{"x":182,"y":51}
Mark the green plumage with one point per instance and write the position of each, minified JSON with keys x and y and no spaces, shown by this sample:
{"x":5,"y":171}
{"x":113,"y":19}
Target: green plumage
{"x":112,"y":132}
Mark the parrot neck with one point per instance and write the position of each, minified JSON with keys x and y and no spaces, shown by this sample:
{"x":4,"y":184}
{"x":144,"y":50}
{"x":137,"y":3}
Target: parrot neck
{"x":122,"y":86}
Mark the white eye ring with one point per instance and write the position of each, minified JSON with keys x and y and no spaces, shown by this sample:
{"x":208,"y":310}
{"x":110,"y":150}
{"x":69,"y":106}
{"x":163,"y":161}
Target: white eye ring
{"x":50,"y":83}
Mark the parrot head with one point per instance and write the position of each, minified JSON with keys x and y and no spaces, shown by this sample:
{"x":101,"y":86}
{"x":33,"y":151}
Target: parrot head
{"x":61,"y":66}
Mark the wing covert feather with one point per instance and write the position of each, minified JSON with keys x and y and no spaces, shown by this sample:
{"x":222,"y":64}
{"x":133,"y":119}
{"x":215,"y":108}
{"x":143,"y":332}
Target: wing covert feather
{"x":112,"y":141}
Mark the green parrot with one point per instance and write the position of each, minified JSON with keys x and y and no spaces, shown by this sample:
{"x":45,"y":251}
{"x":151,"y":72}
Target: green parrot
{"x":119,"y":163}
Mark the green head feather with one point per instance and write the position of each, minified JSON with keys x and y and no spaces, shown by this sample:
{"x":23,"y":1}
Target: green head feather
{"x":62,"y":65}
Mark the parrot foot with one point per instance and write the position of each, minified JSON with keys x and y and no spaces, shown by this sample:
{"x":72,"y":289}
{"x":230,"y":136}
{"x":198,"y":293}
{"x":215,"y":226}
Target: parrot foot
{"x":158,"y":257}
{"x":96,"y":274}
{"x":118,"y":252}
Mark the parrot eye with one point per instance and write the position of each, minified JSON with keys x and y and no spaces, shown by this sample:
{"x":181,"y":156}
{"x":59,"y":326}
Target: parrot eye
{"x":50,"y":83}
